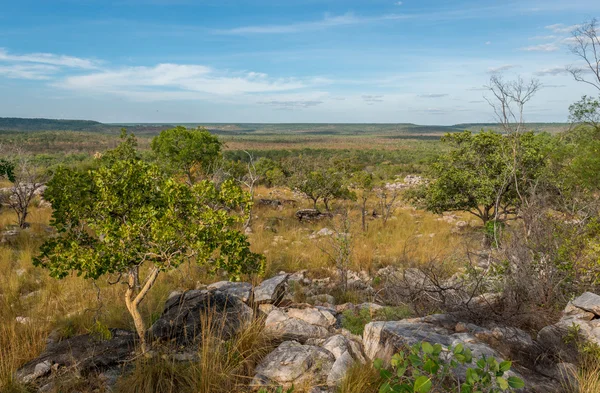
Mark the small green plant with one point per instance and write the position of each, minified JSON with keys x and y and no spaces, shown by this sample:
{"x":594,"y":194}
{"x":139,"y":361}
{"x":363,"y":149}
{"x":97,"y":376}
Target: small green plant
{"x":355,"y":321}
{"x":422,"y":368}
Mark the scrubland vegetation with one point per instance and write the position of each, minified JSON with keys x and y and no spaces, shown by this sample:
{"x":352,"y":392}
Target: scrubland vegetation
{"x":506,"y":214}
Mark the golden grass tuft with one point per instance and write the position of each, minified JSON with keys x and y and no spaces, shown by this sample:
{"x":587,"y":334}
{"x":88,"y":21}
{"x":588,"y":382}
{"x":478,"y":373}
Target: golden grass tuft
{"x":361,"y":378}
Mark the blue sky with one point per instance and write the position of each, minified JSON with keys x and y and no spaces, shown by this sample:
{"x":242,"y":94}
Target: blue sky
{"x":419,"y":61}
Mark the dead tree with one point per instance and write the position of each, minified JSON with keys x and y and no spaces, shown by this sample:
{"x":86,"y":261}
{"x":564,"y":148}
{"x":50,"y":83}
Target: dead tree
{"x":586,"y":46}
{"x":27,"y":184}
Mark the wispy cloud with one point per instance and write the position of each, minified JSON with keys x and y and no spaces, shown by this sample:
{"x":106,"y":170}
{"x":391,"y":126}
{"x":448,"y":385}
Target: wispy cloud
{"x":541,"y":48}
{"x":562,"y":28}
{"x":49,"y":59}
{"x":300,"y":104}
{"x":502,"y":68}
{"x":372,"y":99}
{"x":433,"y":95}
{"x":28,"y":71}
{"x":173,"y":81}
{"x":558,"y":70}
{"x":299,"y":27}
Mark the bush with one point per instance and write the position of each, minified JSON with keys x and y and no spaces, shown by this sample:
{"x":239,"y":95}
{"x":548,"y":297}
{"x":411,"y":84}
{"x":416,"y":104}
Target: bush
{"x":423,"y":368}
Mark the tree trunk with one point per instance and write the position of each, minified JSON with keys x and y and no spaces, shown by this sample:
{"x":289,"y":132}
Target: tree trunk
{"x":363,"y":211}
{"x":133,"y":303}
{"x":326,"y":204}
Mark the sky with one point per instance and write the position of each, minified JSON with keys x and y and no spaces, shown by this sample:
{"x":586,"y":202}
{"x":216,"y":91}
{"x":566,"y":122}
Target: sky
{"x":286,"y":61}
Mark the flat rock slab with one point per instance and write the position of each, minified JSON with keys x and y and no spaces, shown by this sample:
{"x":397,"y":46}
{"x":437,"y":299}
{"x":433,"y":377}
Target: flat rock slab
{"x":295,"y":364}
{"x":271,"y":290}
{"x":279,"y":324}
{"x":589,"y":302}
{"x":186,"y":314}
{"x":84,"y":353}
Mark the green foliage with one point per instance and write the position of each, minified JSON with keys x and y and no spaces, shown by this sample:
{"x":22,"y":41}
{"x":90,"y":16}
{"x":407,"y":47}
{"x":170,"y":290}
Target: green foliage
{"x":187,"y":150}
{"x":425,"y":368}
{"x":7,"y":169}
{"x":484,"y":174}
{"x":318,"y":184}
{"x":123,"y":214}
{"x":355,"y":321}
{"x":587,"y":111}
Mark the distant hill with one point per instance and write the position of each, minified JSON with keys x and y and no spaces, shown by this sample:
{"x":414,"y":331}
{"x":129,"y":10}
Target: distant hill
{"x":397,"y":130}
{"x":20,"y":124}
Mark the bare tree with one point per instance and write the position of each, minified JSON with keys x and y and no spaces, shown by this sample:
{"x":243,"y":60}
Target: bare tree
{"x":387,"y":197}
{"x":27,"y":184}
{"x":338,"y":248}
{"x":250,"y":179}
{"x":509,"y":99}
{"x":586,"y":45}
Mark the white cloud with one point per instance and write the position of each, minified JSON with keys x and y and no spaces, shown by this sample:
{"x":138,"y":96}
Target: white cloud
{"x":28,"y":71}
{"x":287,"y":104}
{"x":177,"y":81}
{"x":558,"y":70}
{"x":372,"y":99}
{"x":48,"y":58}
{"x":541,"y":48}
{"x":502,"y":68}
{"x":562,"y":28}
{"x":488,"y":43}
{"x":327,"y":22}
{"x":433,"y":95}
{"x":399,"y":3}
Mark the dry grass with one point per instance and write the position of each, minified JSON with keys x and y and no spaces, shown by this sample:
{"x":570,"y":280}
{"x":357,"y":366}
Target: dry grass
{"x":361,"y":379}
{"x":75,"y":306}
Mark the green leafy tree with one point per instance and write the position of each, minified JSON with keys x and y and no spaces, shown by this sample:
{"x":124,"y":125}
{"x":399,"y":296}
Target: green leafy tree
{"x":321,"y":184}
{"x":126,"y":217}
{"x":7,"y":169}
{"x":191,"y":152}
{"x":365,"y":184}
{"x":486,"y":174}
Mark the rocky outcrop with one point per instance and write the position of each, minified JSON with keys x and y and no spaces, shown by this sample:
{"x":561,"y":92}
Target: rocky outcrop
{"x":295,"y":364}
{"x":382,"y":339}
{"x":242,"y":290}
{"x":580,"y":322}
{"x":85,"y":354}
{"x":185,"y":315}
{"x":271,"y":290}
{"x":307,"y":215}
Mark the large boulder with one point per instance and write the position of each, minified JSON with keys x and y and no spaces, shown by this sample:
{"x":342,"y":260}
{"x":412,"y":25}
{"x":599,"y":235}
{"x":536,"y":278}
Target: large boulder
{"x":242,"y":290}
{"x":580,"y":322}
{"x":85,"y":354}
{"x":295,"y":364}
{"x":271,"y":290}
{"x":280,"y":324}
{"x":382,"y":339}
{"x":186,"y":314}
{"x":311,"y":215}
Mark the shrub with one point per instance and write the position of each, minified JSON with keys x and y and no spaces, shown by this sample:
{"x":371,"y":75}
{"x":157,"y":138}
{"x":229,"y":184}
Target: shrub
{"x":423,"y":368}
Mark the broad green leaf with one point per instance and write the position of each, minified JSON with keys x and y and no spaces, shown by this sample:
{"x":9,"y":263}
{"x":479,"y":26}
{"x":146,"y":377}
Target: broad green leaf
{"x":422,"y":385}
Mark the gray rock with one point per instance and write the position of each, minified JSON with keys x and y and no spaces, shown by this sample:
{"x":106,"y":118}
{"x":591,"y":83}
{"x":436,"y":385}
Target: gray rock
{"x":271,"y":290}
{"x":295,"y":364}
{"x":314,"y":316}
{"x":279,"y":324}
{"x":589,"y":302}
{"x":242,"y":290}
{"x":84,"y":354}
{"x":182,"y":317}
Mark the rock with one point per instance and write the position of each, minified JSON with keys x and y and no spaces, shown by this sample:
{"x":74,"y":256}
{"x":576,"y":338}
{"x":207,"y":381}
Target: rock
{"x":339,"y":369}
{"x":83,"y":354}
{"x":325,"y":232}
{"x":23,"y":320}
{"x":322,"y":299}
{"x":182,"y":317}
{"x":295,"y":364}
{"x":311,"y":215}
{"x":314,"y":316}
{"x":382,"y":339}
{"x":242,"y":290}
{"x":279,"y":324}
{"x":588,"y":302}
{"x":271,"y":290}
{"x":269,"y":202}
